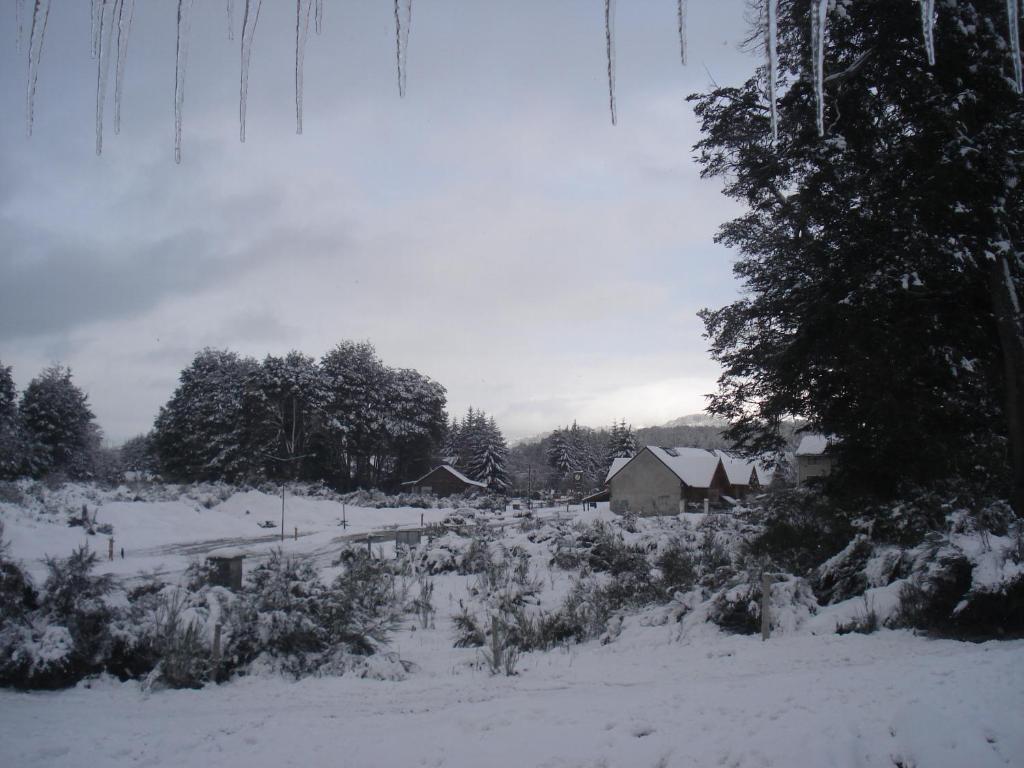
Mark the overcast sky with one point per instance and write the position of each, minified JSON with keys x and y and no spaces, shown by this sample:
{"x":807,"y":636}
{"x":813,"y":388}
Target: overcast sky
{"x":491,"y":230}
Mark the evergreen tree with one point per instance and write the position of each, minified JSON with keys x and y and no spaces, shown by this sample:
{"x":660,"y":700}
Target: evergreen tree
{"x":59,"y":426}
{"x":560,"y":451}
{"x":880,"y":263}
{"x":414,"y":424}
{"x":355,"y":413}
{"x":138,"y":454}
{"x":12,"y":438}
{"x":200,"y":433}
{"x":621,"y":444}
{"x":489,"y":455}
{"x":283,"y":406}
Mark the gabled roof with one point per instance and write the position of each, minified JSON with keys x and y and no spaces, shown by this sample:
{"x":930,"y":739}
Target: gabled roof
{"x":617,"y":464}
{"x":738,"y":470}
{"x":451,"y":470}
{"x":694,"y":466}
{"x":815,"y":444}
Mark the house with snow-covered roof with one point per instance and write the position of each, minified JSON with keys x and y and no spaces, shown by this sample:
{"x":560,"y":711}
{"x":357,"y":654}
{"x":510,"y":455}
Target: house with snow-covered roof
{"x":813,"y":457}
{"x":742,"y":473}
{"x":443,"y":480}
{"x":660,"y":481}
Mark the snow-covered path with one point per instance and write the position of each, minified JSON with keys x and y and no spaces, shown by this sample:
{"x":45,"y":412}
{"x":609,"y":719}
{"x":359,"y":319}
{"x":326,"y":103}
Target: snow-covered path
{"x":647,"y":700}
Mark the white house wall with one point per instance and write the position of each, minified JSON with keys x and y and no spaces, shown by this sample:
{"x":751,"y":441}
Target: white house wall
{"x":645,"y":486}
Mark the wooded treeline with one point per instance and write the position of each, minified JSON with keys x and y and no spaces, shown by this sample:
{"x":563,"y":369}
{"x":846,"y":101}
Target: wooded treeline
{"x":346,"y":419}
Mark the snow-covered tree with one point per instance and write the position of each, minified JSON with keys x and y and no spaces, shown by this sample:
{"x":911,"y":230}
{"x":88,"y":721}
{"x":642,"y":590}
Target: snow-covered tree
{"x":414,"y":422}
{"x":560,"y":451}
{"x":481,"y":448}
{"x":355,"y":411}
{"x":59,"y":425}
{"x":489,"y":455}
{"x":283,"y":405}
{"x":12,"y":437}
{"x":200,"y":432}
{"x":621,"y":443}
{"x":880,"y":262}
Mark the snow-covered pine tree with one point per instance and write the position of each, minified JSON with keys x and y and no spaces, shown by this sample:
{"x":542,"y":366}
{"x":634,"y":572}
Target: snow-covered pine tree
{"x":621,"y":444}
{"x":881,"y":262}
{"x":356,"y":410}
{"x":59,"y":425}
{"x":12,"y":438}
{"x":414,"y":424}
{"x":283,"y":408}
{"x":200,"y":433}
{"x":560,"y":451}
{"x":487,"y":464}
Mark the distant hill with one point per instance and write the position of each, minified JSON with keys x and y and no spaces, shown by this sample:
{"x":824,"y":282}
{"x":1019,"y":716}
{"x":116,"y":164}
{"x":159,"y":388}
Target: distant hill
{"x":695,"y":420}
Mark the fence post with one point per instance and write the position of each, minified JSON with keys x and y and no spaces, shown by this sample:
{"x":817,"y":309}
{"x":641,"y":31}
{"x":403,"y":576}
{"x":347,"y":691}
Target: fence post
{"x":216,"y":650}
{"x":495,"y":646}
{"x":766,"y":621}
{"x":110,"y":549}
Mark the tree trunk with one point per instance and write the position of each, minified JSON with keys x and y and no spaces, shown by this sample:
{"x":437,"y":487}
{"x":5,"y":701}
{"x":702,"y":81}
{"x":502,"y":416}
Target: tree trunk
{"x":1006,"y":306}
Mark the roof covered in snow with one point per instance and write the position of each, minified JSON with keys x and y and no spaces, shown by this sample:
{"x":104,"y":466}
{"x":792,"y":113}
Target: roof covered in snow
{"x":694,"y":466}
{"x":617,"y":464}
{"x":815,"y":444}
{"x":737,"y":469}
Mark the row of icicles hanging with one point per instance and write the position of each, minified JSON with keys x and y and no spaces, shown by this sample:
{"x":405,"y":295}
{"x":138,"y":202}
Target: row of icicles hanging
{"x":112,"y":23}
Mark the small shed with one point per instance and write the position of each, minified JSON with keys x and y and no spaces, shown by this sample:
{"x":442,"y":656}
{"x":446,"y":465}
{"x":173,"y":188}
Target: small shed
{"x":443,"y":480}
{"x":226,"y":568}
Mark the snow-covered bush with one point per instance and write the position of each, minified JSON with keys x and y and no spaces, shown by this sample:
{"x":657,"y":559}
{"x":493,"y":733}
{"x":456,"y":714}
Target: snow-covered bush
{"x":799,"y":530}
{"x":281,"y":615}
{"x":68,"y":635}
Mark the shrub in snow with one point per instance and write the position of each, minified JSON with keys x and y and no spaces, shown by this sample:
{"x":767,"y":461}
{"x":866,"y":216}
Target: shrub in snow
{"x":737,"y":607}
{"x":281,"y":615}
{"x":844,"y":575}
{"x":799,"y":530}
{"x":185,"y":660}
{"x":364,"y":604}
{"x":68,"y":635}
{"x":863,"y":623}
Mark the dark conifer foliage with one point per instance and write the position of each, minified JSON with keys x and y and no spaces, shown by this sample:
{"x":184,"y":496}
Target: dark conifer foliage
{"x":880,"y":263}
{"x":348,"y":419}
{"x":60,"y":432}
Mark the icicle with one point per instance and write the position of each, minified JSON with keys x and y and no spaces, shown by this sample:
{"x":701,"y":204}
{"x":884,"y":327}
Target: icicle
{"x":302,"y":11}
{"x":19,"y":20}
{"x":819,"y":29}
{"x":231,"y":19}
{"x":181,"y":61}
{"x":681,"y":15}
{"x":928,"y":29}
{"x":773,"y":65}
{"x":319,"y":16}
{"x":109,"y":11}
{"x":609,"y":39}
{"x":1013,"y":21}
{"x":249,"y":19}
{"x":124,"y":28}
{"x":97,"y":14}
{"x":40,"y":13}
{"x":403,"y":20}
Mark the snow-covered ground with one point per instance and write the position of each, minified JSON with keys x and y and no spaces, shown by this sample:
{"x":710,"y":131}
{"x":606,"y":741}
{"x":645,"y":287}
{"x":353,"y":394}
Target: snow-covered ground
{"x":889,"y":699}
{"x":653,"y":697}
